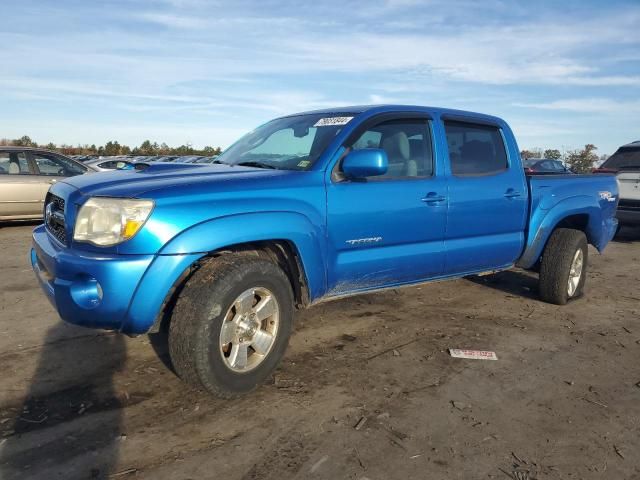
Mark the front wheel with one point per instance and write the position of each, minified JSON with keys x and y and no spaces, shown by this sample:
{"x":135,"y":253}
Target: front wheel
{"x":231,"y":325}
{"x":563,"y":268}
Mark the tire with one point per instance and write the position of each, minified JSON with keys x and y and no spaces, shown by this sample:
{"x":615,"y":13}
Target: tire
{"x":564,"y":246}
{"x":618,"y":228}
{"x":214,"y":299}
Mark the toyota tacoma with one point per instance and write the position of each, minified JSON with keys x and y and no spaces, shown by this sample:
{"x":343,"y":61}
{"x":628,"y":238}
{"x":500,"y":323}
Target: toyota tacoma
{"x":307,"y":208}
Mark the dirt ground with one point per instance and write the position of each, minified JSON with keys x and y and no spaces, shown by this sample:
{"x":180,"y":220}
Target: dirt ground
{"x":367,"y":389}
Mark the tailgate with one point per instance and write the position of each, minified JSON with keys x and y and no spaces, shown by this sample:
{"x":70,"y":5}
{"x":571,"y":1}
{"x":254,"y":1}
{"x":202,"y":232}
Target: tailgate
{"x":629,"y":185}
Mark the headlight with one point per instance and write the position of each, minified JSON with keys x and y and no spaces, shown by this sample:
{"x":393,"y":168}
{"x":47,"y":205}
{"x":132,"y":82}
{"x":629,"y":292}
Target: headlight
{"x":109,"y":221}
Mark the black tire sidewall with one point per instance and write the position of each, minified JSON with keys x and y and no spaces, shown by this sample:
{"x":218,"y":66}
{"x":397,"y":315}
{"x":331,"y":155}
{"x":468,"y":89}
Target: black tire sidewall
{"x":219,"y":295}
{"x":556,"y":265}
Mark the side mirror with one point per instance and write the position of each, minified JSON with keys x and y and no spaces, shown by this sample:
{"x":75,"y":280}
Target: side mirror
{"x":368,"y":162}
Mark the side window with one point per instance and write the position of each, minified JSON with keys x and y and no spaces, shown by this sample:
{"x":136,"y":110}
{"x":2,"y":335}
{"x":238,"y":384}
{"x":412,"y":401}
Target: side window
{"x":14,"y":163}
{"x":57,"y":166}
{"x":369,"y":139}
{"x":407,"y":144}
{"x":475,"y":149}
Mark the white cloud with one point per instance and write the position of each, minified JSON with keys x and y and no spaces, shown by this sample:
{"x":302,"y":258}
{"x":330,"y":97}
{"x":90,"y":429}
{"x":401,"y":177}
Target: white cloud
{"x":587,"y":105}
{"x":173,"y":21}
{"x":169,"y":59}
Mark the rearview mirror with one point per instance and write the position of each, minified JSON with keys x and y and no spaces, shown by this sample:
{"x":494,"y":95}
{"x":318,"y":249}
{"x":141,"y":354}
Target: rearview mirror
{"x":368,"y":162}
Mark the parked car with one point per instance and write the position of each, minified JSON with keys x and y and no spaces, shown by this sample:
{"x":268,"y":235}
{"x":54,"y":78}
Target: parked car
{"x":205,"y":159}
{"x":544,"y":165}
{"x":84,"y":158}
{"x":625,"y":164}
{"x":25,"y":176}
{"x":109,"y":163}
{"x":187,"y":158}
{"x":304,"y":209}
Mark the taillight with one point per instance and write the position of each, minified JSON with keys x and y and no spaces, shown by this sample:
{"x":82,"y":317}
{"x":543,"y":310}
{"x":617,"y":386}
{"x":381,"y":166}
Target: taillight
{"x":604,"y":170}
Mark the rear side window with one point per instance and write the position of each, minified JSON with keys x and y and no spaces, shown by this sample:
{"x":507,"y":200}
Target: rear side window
{"x":14,"y":163}
{"x":57,"y":166}
{"x":111,"y":164}
{"x":475,"y":149}
{"x":554,"y":165}
{"x":625,"y":157}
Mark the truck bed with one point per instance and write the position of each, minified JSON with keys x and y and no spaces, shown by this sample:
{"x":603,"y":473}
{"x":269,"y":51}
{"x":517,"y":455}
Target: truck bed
{"x":587,"y":201}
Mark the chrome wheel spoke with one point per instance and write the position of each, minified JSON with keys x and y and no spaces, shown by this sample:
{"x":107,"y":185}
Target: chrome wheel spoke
{"x":228,"y":332}
{"x":265,"y":308}
{"x":244,"y":303}
{"x":262,"y":342}
{"x":248,"y":325}
{"x":239,"y":355}
{"x":575,"y":272}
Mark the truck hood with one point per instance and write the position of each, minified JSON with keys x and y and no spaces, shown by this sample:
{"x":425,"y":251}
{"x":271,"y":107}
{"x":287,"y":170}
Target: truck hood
{"x":136,"y":183}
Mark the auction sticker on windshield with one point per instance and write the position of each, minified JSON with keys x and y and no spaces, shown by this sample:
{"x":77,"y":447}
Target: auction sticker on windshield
{"x":332,"y":121}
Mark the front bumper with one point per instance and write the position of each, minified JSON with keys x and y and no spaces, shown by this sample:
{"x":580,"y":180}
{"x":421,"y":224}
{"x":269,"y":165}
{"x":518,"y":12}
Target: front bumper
{"x":114,"y":292}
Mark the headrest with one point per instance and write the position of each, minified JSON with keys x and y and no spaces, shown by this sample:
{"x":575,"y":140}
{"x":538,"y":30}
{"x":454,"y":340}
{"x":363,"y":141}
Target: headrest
{"x":397,"y":146}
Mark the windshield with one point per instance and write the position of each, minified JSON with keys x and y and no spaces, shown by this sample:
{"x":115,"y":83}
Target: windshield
{"x":623,"y":158}
{"x":289,"y":143}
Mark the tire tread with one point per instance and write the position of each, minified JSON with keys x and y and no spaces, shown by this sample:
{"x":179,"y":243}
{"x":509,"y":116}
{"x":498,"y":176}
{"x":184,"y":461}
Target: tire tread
{"x":186,"y":327}
{"x":556,"y":263}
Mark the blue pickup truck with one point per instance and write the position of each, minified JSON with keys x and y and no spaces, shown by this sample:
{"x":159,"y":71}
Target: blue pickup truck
{"x":307,"y":208}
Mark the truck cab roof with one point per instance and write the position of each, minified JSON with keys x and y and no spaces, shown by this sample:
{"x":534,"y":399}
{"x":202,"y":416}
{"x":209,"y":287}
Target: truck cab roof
{"x":390,"y":108}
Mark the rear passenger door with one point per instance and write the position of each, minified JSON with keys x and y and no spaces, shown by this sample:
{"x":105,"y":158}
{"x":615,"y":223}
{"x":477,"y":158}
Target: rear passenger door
{"x":487,"y":199}
{"x":20,"y":193}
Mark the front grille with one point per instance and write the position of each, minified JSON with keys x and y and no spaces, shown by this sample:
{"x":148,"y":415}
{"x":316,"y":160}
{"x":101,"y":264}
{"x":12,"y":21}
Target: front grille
{"x":633,"y":205}
{"x":54,"y":217}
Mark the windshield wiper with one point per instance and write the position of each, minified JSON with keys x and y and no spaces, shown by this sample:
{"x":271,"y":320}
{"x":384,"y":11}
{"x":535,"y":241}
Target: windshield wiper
{"x":253,"y":163}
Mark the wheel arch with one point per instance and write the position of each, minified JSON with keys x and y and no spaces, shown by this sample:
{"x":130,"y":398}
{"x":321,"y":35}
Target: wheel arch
{"x":289,"y":239}
{"x":569,"y":213}
{"x":284,"y":253}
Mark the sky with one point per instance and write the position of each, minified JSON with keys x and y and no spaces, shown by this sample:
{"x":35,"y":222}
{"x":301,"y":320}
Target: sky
{"x":562,"y":74}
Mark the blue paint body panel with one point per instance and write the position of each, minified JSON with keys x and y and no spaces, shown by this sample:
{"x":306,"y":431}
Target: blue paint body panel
{"x":349,"y":236}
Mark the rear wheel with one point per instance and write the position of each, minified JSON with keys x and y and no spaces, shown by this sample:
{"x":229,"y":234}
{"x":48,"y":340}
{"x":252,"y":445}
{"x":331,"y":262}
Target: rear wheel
{"x":563,"y":267}
{"x":231,"y":324}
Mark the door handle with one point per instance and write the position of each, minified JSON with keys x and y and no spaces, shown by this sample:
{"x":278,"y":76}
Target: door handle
{"x":511,"y":193}
{"x":433,"y":197}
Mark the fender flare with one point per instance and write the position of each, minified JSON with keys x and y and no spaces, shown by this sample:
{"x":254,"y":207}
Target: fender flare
{"x":544,"y":222}
{"x":221,"y":232}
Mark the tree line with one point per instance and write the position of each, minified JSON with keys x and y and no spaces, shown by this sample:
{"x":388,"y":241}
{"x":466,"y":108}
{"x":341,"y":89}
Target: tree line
{"x":114,"y":148}
{"x":581,"y":160}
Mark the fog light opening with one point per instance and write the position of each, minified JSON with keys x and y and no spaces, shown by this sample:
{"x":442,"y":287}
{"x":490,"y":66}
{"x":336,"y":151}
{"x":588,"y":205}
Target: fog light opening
{"x":86,"y":292}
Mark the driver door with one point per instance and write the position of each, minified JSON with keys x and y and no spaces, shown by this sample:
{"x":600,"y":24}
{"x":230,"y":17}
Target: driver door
{"x":388,"y":230}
